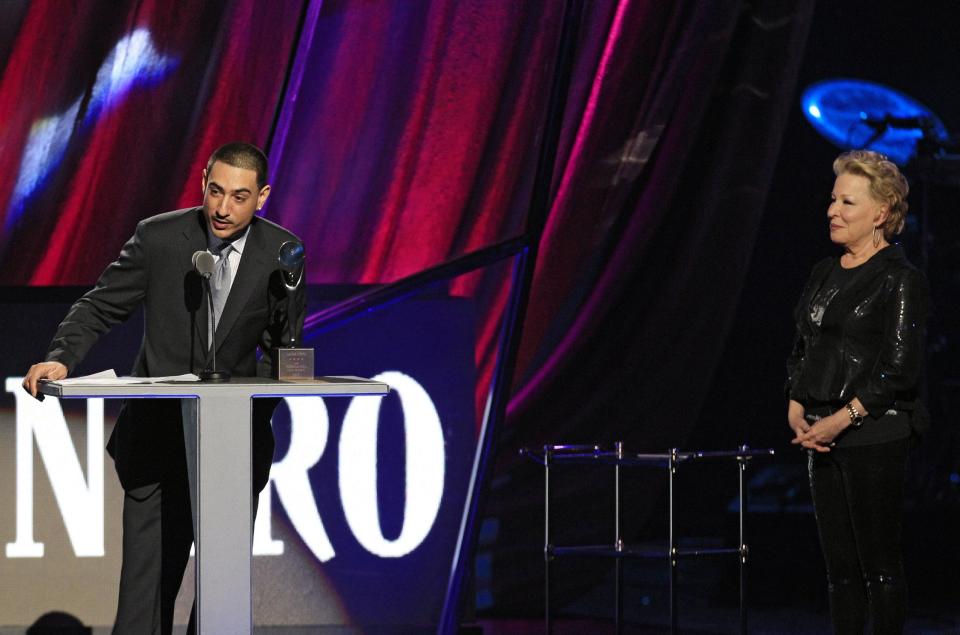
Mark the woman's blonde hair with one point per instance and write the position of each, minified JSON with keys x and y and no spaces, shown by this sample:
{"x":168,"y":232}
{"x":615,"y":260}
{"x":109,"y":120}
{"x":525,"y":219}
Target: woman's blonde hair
{"x":887,"y":185}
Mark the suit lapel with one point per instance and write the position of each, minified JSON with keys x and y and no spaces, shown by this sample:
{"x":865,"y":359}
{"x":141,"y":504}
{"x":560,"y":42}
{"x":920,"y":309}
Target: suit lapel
{"x":195,"y":239}
{"x":252,"y":263}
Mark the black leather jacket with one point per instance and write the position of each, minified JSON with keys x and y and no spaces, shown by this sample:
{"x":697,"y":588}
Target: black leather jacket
{"x":869,"y":343}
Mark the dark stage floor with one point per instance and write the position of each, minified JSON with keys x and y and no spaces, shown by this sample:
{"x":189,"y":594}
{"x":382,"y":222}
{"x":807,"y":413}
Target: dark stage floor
{"x":786,"y":580}
{"x":761,"y":623}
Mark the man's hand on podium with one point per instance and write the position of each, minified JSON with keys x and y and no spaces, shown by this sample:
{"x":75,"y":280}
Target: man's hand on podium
{"x":43,"y":370}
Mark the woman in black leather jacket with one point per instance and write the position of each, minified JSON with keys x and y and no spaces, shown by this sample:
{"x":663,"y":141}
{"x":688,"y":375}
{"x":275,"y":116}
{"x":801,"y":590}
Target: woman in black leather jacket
{"x":852,"y":388}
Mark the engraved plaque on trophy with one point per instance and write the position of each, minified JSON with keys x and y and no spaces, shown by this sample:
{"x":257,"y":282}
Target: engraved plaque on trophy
{"x":291,"y":364}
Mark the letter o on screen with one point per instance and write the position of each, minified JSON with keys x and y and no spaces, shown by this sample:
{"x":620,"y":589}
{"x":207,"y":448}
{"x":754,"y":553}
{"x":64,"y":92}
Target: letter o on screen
{"x":425,"y":462}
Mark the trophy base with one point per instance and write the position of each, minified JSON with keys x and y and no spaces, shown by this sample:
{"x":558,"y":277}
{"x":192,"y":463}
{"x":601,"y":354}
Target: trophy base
{"x":292,"y":364}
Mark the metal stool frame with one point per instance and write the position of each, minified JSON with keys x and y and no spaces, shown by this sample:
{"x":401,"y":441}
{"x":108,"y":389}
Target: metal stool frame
{"x":559,"y":455}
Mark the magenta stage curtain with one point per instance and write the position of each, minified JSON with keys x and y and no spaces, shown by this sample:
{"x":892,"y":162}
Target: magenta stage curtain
{"x":109,"y":112}
{"x":413,"y":136}
{"x":671,"y":134}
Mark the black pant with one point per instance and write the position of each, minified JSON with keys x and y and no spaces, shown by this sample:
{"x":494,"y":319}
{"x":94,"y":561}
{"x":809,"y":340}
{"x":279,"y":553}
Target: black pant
{"x":157,"y":534}
{"x":858,"y":499}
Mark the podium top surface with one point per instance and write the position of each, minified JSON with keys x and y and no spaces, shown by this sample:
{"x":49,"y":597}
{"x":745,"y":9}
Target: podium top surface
{"x":236,"y":387}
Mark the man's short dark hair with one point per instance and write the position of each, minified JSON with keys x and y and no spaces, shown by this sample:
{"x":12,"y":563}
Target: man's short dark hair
{"x":242,"y":155}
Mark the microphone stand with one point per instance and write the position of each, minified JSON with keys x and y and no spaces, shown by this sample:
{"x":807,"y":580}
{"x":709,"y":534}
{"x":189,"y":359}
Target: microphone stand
{"x":212,"y":374}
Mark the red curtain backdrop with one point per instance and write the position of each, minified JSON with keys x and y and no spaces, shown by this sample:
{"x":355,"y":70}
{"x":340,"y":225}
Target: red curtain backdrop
{"x":134,"y":120}
{"x":413,"y":136}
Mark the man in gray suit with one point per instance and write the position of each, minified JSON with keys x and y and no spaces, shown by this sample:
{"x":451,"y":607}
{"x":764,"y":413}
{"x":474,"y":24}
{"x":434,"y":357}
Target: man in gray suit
{"x":155,"y":270}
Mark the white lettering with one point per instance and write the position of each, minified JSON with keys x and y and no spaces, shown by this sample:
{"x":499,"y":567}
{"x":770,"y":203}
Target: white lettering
{"x":80,"y":500}
{"x":425,"y":460}
{"x":263,"y":542}
{"x":309,"y":428}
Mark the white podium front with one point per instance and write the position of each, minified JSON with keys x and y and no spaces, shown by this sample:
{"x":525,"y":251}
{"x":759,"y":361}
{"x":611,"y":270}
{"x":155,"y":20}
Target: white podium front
{"x":218,"y":444}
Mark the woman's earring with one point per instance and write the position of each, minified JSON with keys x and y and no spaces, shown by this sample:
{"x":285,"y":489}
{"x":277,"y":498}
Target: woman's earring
{"x":876,"y":236}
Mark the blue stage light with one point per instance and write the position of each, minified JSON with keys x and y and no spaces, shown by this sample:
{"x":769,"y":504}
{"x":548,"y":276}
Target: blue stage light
{"x":854,"y":113}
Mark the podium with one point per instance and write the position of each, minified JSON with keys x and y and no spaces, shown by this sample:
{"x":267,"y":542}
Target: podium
{"x":217,"y":435}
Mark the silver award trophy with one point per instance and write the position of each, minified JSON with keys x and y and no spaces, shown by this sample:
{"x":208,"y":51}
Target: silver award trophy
{"x":292,"y":363}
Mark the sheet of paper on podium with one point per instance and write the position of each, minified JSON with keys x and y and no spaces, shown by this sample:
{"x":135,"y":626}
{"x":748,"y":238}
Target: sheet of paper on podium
{"x":109,"y":377}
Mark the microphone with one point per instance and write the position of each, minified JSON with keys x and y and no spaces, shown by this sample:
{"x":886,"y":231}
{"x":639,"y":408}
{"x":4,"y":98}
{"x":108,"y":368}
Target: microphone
{"x":204,"y":264}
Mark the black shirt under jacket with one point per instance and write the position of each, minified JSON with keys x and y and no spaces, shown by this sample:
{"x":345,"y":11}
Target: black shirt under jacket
{"x":869,"y":343}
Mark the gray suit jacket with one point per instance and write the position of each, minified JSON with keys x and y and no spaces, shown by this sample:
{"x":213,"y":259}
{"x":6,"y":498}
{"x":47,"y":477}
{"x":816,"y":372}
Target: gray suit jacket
{"x":154,"y":270}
